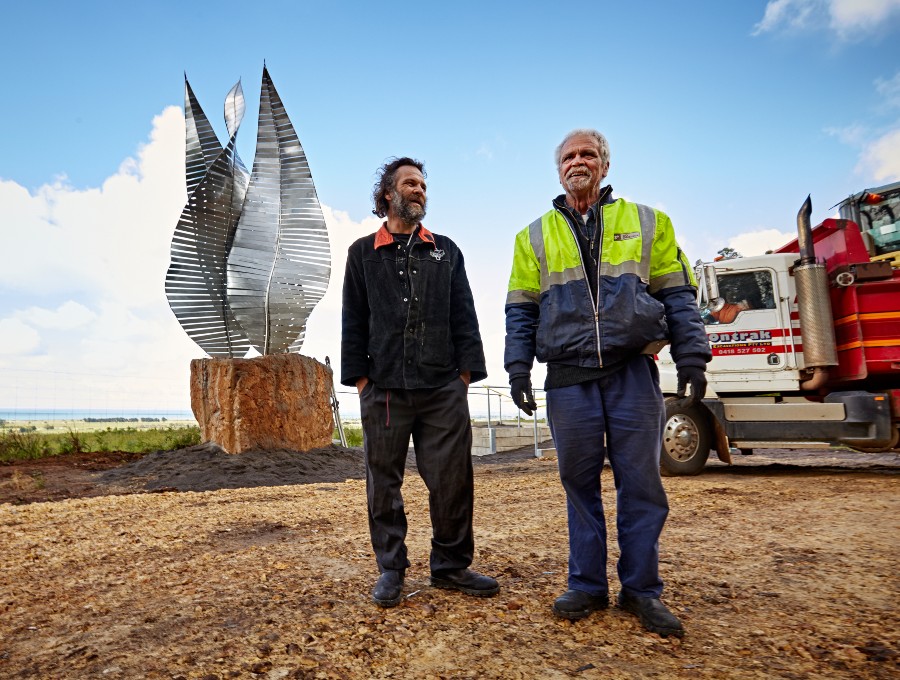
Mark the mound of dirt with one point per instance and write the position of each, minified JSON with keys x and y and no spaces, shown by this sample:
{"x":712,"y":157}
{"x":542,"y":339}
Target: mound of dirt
{"x":204,"y":467}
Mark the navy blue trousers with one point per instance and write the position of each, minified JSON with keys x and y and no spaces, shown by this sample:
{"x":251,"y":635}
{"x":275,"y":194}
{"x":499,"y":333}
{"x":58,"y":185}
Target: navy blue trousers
{"x":438,"y":422}
{"x":621,"y":416}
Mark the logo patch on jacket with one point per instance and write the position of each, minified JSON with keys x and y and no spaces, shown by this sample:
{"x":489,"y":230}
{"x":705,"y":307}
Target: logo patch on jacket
{"x":626,"y":236}
{"x":438,"y":254}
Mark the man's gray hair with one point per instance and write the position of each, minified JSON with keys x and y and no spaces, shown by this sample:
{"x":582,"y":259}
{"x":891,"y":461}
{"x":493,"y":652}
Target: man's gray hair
{"x":593,"y":134}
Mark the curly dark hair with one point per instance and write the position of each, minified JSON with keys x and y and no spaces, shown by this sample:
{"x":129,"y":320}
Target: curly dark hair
{"x":385,"y":181}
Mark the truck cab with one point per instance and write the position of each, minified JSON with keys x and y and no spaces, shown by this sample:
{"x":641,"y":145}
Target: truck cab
{"x":800,"y":357}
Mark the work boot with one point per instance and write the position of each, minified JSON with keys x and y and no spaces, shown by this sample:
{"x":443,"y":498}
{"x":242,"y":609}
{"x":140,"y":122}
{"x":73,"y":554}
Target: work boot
{"x":576,"y":604}
{"x":653,"y":614}
{"x":466,"y":581}
{"x":386,"y":592}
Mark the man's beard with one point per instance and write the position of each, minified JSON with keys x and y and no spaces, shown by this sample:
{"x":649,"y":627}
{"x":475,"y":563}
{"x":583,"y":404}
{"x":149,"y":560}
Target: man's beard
{"x":408,"y":212}
{"x":579,"y":182}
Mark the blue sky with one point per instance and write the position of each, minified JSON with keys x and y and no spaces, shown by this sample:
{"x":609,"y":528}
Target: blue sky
{"x":725,"y":115}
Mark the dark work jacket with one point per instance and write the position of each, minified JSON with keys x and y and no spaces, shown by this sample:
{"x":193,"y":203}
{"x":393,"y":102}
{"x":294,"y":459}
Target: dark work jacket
{"x":408,"y":319}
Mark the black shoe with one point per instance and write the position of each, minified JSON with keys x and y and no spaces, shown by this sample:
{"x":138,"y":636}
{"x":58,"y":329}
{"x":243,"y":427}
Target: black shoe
{"x":466,"y":581}
{"x":576,"y":604}
{"x":654,"y":615}
{"x":386,"y":592}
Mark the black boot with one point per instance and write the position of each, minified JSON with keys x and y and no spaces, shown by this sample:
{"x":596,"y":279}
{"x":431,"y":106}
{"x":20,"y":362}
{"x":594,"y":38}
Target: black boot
{"x":388,"y":589}
{"x":576,"y":604}
{"x":654,"y":615}
{"x":466,"y":581}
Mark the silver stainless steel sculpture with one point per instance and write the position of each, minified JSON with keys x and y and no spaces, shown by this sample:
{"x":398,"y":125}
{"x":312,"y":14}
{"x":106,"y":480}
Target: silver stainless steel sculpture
{"x":250,"y":255}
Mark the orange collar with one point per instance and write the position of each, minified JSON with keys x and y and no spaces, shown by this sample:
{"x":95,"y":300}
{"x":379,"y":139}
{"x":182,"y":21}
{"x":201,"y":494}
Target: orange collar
{"x":385,"y":238}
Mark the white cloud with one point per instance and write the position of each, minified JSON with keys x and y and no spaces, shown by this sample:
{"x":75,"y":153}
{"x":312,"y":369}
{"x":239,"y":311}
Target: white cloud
{"x":112,"y":341}
{"x":849,"y":19}
{"x":852,"y":135}
{"x":781,"y":14}
{"x":67,"y":316}
{"x":758,"y":242}
{"x":485,"y":152}
{"x":881,"y":158}
{"x":889,"y":90}
{"x":108,"y":241}
{"x":18,"y":338}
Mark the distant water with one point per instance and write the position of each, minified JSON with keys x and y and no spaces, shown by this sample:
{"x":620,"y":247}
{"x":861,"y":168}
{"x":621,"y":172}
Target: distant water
{"x":95,"y":414}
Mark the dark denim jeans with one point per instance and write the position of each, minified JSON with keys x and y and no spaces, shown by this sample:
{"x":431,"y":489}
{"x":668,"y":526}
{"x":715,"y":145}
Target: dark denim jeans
{"x":438,"y":421}
{"x":621,"y":415}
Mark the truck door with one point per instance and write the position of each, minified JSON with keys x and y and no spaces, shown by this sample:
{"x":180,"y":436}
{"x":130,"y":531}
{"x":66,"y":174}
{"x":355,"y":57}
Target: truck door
{"x":744,"y":326}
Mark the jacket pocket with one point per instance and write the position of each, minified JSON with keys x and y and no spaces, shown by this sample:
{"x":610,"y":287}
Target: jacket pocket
{"x":436,"y":349}
{"x":630,"y":317}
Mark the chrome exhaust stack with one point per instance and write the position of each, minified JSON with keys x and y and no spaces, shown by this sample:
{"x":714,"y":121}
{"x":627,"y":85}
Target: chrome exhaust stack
{"x":814,"y":305}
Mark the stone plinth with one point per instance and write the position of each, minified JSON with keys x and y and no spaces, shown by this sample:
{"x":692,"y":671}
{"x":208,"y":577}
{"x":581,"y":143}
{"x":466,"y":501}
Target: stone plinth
{"x":279,"y":401}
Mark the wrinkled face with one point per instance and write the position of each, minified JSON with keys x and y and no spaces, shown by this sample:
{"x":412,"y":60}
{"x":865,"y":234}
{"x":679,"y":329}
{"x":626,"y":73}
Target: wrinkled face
{"x":580,"y":168}
{"x":407,"y":199}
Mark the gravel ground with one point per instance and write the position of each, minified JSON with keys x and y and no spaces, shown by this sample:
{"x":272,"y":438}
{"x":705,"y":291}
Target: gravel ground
{"x":779,"y":567}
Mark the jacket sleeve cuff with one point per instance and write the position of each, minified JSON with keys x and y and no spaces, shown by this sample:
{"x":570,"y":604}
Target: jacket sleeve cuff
{"x":694,"y":360}
{"x":518,"y":369}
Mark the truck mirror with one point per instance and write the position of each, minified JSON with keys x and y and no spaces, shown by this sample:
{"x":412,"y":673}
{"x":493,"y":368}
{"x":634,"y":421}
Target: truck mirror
{"x":710,"y":282}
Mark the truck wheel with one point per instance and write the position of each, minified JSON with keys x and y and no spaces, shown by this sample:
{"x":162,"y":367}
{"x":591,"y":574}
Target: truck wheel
{"x":892,"y":446}
{"x":686,"y":440}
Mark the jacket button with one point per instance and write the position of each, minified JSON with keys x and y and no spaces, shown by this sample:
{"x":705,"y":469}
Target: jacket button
{"x":401,"y":272}
{"x":406,"y":299}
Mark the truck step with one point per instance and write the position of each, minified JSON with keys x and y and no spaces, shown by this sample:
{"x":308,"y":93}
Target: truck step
{"x":742,"y":444}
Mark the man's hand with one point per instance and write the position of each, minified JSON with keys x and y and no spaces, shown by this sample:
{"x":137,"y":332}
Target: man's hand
{"x":520,"y":391}
{"x":694,"y":376}
{"x":361,"y":384}
{"x":466,"y":377}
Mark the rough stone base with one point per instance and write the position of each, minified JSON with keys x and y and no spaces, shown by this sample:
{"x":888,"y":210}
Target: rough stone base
{"x":279,"y":401}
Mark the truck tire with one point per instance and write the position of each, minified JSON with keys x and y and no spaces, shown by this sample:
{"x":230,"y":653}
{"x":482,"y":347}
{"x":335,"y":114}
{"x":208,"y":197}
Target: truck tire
{"x":686,"y":439}
{"x":892,"y":446}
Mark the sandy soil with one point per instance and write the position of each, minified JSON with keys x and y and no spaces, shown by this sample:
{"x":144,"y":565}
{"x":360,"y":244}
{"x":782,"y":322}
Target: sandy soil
{"x":777,"y":570}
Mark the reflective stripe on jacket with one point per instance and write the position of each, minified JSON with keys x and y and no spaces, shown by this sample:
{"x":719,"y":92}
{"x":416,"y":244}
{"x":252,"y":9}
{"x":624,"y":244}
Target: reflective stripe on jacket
{"x":646,"y":292}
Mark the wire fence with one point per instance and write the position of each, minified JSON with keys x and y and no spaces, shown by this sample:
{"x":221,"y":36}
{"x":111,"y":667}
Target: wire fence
{"x":29,"y":394}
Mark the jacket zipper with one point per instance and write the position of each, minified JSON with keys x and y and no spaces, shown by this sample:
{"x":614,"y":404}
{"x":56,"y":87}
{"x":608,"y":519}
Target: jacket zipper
{"x":599,"y":257}
{"x":595,"y":303}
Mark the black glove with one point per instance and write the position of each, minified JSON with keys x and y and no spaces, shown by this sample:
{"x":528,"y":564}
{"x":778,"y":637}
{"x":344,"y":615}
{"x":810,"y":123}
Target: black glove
{"x":520,"y":391}
{"x":696,"y":377}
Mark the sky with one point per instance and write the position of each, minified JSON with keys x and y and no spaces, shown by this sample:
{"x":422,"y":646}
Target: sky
{"x":724,"y":115}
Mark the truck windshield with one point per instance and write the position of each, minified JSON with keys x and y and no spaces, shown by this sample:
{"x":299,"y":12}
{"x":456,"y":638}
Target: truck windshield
{"x":877,"y":212}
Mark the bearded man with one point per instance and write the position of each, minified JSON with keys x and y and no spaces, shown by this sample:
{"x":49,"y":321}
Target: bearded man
{"x":411,"y":346}
{"x":599,"y":285}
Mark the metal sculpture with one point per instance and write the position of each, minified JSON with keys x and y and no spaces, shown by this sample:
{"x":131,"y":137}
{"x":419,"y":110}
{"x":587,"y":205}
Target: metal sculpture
{"x":250,"y":255}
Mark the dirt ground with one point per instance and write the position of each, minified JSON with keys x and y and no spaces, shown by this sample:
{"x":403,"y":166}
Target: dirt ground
{"x":195,"y":564}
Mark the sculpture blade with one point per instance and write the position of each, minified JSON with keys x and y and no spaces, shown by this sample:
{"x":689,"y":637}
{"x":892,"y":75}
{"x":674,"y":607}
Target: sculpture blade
{"x":201,"y":144}
{"x":196,"y":279}
{"x":234,"y":108}
{"x":280,"y":261}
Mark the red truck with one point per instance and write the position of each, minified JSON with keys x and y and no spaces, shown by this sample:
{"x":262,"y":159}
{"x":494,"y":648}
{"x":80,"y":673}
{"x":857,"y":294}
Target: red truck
{"x":805,"y":341}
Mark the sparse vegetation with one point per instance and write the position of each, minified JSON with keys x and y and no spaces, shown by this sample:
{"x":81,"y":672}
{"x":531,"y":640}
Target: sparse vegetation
{"x":353,"y":434}
{"x":19,"y":445}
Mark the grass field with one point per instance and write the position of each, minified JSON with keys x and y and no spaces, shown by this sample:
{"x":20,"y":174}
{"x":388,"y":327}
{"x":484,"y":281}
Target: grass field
{"x":56,"y":426}
{"x":20,"y":441}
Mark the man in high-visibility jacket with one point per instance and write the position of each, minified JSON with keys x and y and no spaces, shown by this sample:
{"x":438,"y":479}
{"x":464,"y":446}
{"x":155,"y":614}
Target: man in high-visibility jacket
{"x":598,"y":286}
